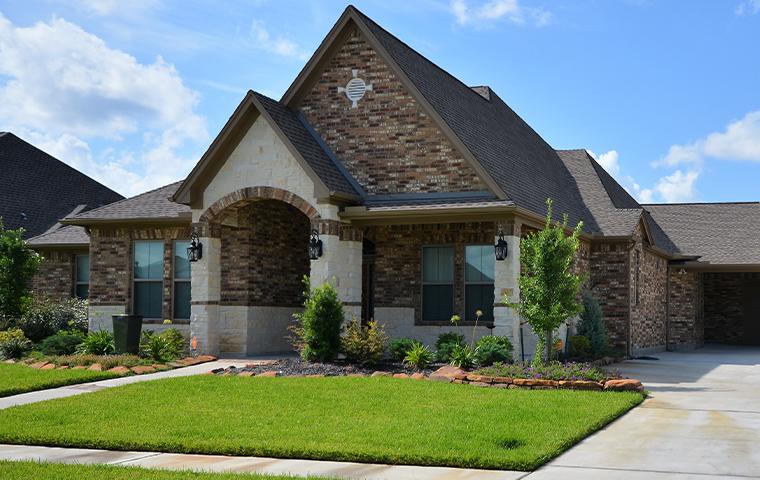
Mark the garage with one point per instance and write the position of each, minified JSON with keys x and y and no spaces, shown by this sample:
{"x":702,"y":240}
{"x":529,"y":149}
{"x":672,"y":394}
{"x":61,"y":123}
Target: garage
{"x":732,"y":307}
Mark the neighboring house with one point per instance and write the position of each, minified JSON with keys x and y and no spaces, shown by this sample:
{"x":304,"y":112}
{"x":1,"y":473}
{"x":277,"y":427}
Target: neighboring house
{"x":408,"y":177}
{"x":36,"y":192}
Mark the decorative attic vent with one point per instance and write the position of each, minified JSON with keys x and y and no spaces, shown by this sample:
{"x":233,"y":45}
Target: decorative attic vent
{"x":483,"y":90}
{"x":355,"y":88}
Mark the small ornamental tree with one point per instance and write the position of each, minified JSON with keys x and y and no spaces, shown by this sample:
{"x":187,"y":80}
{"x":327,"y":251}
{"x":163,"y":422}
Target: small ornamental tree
{"x":549,"y":290}
{"x":591,"y":325}
{"x":18,"y":264}
{"x":316,"y":334}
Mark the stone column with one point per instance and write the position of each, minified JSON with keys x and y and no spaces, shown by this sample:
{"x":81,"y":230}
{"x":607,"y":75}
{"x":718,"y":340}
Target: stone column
{"x":340,"y":264}
{"x":506,"y":277}
{"x":205,"y":292}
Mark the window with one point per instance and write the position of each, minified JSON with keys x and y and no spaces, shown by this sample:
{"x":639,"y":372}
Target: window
{"x":437,"y":283}
{"x":181,"y":281}
{"x":478,"y":282}
{"x":149,"y":278}
{"x":82,"y":274}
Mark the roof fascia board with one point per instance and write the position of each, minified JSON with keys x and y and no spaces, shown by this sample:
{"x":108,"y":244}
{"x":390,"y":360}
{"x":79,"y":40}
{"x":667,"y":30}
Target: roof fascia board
{"x":298,"y":88}
{"x":86,"y":222}
{"x":697,"y":266}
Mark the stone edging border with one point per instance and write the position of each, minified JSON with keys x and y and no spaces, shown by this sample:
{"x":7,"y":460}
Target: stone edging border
{"x":124,"y":370}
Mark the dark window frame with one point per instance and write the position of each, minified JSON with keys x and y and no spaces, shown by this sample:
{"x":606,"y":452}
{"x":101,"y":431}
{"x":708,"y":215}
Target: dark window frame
{"x":176,"y":280}
{"x":470,"y":316}
{"x":423,"y":283}
{"x":136,"y":280}
{"x":77,"y":281}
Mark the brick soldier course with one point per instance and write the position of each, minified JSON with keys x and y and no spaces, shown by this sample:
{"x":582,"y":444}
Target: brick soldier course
{"x":383,"y":154}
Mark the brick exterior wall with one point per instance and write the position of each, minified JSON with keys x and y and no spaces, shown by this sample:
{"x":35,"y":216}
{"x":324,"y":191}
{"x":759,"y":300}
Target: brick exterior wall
{"x":55,"y":276}
{"x":685,"y":309}
{"x":725,"y":298}
{"x":609,"y":283}
{"x":387,"y":142}
{"x":264,"y":258}
{"x":398,"y":260}
{"x":111,"y":263}
{"x":649,"y":284}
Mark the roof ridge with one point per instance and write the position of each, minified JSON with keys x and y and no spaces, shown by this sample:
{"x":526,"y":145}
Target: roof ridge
{"x":700,"y":203}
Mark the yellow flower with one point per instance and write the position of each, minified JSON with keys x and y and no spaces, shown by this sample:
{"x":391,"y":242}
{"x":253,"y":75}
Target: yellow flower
{"x":478,"y":313}
{"x":167,"y":321}
{"x":455,"y":319}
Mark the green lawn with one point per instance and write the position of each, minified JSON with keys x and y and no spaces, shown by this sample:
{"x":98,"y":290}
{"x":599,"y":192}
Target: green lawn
{"x":382,"y":420}
{"x":54,"y":471}
{"x":18,"y":378}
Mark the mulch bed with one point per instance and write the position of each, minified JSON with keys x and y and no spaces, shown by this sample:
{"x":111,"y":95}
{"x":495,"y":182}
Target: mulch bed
{"x":288,"y":367}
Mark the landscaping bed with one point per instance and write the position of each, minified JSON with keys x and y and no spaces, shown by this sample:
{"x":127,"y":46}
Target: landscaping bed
{"x":289,"y":367}
{"x":56,"y":471}
{"x":378,"y":420}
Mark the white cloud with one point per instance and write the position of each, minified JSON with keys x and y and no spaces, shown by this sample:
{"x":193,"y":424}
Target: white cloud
{"x":112,"y":7}
{"x":493,"y":10}
{"x":739,"y":141}
{"x":747,"y":7}
{"x":280,"y":45}
{"x":609,"y":161}
{"x":65,"y":87}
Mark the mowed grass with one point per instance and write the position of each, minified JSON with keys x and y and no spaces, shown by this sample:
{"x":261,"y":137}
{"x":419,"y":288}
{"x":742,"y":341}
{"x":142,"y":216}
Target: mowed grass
{"x":54,"y":471}
{"x":17,"y":378}
{"x":383,"y":420}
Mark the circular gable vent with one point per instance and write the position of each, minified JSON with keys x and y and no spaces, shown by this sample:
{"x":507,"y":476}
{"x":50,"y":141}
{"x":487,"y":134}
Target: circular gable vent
{"x":355,"y":88}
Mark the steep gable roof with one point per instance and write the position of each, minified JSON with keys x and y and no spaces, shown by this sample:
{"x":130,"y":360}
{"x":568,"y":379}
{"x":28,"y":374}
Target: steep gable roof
{"x":154,"y":206}
{"x":719,"y":233}
{"x":315,"y":158}
{"x":507,"y":153}
{"x":36,"y":189}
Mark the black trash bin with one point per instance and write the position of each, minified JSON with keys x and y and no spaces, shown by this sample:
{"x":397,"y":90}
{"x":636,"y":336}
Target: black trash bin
{"x":126,"y":333}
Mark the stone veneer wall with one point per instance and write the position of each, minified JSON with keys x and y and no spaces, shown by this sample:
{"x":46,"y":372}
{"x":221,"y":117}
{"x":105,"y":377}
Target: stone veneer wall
{"x":685,"y":310}
{"x":609,"y":283}
{"x":111,"y":264}
{"x":724,"y":304}
{"x":55,"y":276}
{"x":387,"y":142}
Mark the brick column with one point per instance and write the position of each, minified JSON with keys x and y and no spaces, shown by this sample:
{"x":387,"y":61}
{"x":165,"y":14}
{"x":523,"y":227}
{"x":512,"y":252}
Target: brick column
{"x":506,"y":277}
{"x":205,"y":292}
{"x":340,"y":264}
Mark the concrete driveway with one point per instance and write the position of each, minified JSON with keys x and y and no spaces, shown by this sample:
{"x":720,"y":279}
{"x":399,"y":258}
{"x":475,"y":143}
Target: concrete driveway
{"x":702,"y":421}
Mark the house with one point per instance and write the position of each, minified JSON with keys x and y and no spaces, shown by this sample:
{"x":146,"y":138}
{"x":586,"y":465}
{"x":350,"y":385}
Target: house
{"x":37,"y":191}
{"x":402,"y":178}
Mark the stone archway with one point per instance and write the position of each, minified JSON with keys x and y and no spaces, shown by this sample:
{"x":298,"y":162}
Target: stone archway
{"x":245,"y":195}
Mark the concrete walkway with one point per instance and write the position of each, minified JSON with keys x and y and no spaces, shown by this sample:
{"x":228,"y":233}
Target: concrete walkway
{"x":274,"y":466}
{"x":78,"y":389}
{"x":702,"y":421}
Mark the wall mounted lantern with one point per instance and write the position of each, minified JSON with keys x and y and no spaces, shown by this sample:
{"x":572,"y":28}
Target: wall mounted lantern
{"x":315,"y":246}
{"x":500,"y":249}
{"x":195,"y":250}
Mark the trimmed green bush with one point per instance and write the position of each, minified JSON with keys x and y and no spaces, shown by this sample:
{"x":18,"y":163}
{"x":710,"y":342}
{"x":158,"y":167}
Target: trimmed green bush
{"x":317,"y":332}
{"x":491,"y":349}
{"x":445,"y":345}
{"x":364,"y":345}
{"x":592,"y":326}
{"x":580,"y":347}
{"x":163,"y":347}
{"x":44,"y":318}
{"x":64,"y":343}
{"x":400,"y":346}
{"x":462,"y":356}
{"x":13,"y":344}
{"x":418,"y":357}
{"x":97,"y":343}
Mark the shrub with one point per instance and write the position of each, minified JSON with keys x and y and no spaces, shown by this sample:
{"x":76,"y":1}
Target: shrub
{"x":591,"y":325}
{"x":44,"y":318}
{"x":317,"y":332}
{"x":400,"y":346}
{"x":18,"y":264}
{"x":580,"y":347}
{"x":418,"y":357}
{"x":97,"y":343}
{"x":462,"y":356}
{"x":364,"y":345}
{"x":13,"y":344}
{"x":163,"y":347}
{"x":548,"y":371}
{"x":63,"y":343}
{"x":491,"y":349}
{"x":445,"y":345}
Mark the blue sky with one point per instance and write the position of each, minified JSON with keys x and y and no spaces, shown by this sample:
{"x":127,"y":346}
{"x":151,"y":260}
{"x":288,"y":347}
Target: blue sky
{"x":665,"y":93}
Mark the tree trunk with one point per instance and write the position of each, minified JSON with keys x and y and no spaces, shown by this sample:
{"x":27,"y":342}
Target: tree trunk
{"x":549,"y":345}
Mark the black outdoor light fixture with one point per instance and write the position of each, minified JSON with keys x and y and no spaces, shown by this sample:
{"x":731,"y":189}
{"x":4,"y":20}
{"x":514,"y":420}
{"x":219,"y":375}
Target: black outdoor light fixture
{"x":195,"y":250}
{"x":315,"y":246}
{"x":500,"y":249}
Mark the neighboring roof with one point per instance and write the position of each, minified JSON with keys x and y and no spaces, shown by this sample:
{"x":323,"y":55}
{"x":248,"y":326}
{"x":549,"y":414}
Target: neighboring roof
{"x":65,"y":236}
{"x":598,"y":189}
{"x":155,"y":205}
{"x":505,"y":150}
{"x":36,"y":189}
{"x":330,"y":177}
{"x":720,"y":233}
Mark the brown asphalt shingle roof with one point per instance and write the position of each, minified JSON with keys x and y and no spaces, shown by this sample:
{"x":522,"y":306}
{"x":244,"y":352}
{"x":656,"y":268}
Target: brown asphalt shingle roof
{"x":67,"y":235}
{"x":152,"y":205}
{"x":720,"y":233}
